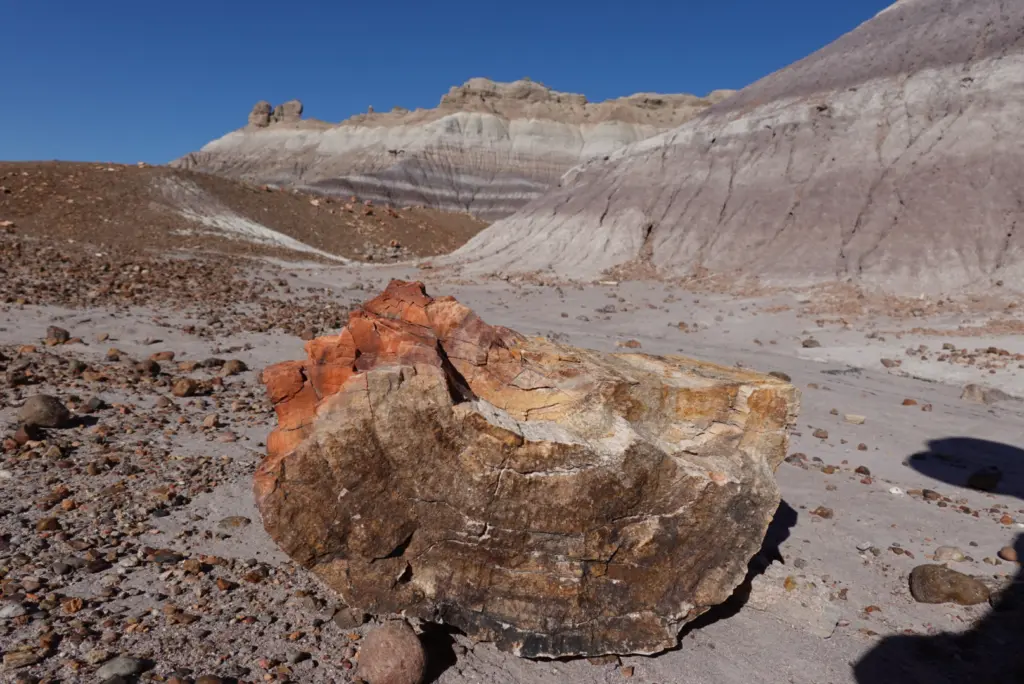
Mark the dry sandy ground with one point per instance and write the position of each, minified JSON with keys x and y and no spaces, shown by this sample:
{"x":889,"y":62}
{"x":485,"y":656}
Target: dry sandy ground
{"x":847,"y":574}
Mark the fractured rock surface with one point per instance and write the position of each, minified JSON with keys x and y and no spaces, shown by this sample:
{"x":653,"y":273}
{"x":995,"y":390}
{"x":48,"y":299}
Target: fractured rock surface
{"x":487,"y":148}
{"x":557,"y":501}
{"x":890,"y":157}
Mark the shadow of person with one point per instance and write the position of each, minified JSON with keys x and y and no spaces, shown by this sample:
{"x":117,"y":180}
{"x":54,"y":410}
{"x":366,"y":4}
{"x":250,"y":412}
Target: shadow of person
{"x":969,"y":462}
{"x":991,"y":652}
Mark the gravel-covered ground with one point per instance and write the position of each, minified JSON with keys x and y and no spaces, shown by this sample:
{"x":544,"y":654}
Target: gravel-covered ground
{"x":130,"y":545}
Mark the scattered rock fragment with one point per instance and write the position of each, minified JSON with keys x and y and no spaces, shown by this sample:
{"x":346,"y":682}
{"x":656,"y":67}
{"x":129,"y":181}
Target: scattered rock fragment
{"x":93,"y":404}
{"x":185,"y":387}
{"x":979,"y":394}
{"x":1008,"y":553}
{"x":55,"y":335}
{"x":949,"y":553}
{"x":348,"y":618}
{"x":47,"y":524}
{"x":45,"y":411}
{"x":150,"y":367}
{"x":123,"y":666}
{"x":11,"y":609}
{"x":939,"y":584}
{"x":234,"y":522}
{"x":21,"y":658}
{"x":233,"y":367}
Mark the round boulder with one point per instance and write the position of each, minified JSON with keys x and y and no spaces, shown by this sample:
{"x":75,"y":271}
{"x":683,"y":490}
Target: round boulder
{"x":392,"y":654}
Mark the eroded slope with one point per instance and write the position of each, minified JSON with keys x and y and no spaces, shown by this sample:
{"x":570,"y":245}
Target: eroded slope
{"x":891,"y":157}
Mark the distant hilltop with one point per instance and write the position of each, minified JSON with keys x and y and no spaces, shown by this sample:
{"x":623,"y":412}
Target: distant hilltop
{"x":890,"y":158}
{"x":487,"y":148}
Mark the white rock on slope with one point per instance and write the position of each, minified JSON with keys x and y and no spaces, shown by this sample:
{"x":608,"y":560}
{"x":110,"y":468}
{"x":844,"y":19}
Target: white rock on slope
{"x":892,"y":157}
{"x":488,"y":148}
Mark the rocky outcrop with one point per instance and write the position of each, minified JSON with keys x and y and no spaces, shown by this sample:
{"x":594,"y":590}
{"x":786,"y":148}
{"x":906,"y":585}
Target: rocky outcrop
{"x":891,"y":157}
{"x":288,"y":112}
{"x":488,"y":148}
{"x":557,"y":501}
{"x":263,"y":114}
{"x":260,"y":114}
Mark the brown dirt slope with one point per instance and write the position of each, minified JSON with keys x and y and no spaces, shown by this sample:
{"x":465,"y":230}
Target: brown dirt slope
{"x":160,"y":208}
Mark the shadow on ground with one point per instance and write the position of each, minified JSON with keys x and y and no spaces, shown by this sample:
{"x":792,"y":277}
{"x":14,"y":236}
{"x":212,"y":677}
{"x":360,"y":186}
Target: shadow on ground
{"x":992,"y":652}
{"x":969,"y":462}
{"x":439,"y":644}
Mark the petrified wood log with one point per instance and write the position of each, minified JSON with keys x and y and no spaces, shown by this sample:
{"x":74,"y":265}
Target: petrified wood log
{"x":557,"y":501}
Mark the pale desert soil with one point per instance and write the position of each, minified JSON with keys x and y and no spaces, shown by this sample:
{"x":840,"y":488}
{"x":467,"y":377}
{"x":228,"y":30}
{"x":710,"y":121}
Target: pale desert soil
{"x":145,"y":475}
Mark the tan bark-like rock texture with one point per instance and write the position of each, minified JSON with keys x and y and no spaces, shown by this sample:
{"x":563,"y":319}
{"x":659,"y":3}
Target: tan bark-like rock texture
{"x":557,"y":501}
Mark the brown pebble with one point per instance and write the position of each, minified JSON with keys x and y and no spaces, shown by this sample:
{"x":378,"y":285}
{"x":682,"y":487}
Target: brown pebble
{"x":49,"y":524}
{"x":185,"y":387}
{"x":939,"y":584}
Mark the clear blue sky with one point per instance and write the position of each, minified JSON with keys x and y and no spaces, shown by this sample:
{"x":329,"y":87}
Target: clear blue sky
{"x":131,"y":80}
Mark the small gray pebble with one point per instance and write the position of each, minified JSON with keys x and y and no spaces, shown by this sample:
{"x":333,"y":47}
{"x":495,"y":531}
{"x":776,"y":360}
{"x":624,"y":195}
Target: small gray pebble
{"x":121,"y":667}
